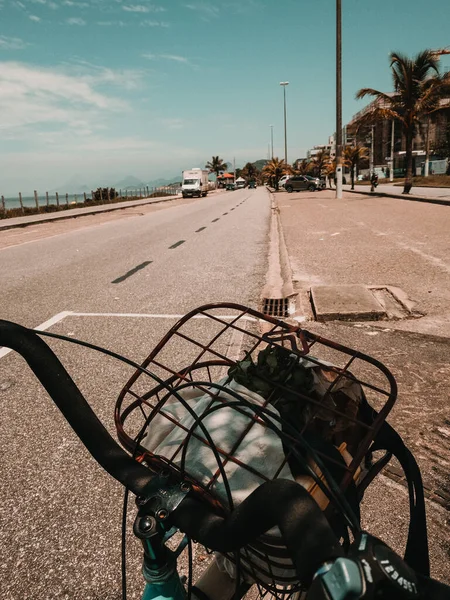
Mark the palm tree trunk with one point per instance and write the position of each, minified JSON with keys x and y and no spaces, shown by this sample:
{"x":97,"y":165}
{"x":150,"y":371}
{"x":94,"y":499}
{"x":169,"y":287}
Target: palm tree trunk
{"x":352,"y":172}
{"x":409,"y":174}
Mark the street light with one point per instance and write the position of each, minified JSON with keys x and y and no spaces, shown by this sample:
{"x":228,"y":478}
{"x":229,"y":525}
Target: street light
{"x":338,"y":100}
{"x":284,"y":84}
{"x":271,"y":140}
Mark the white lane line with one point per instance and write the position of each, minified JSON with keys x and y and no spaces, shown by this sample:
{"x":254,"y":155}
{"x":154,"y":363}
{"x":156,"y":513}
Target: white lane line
{"x":69,"y":313}
{"x":42,"y":327}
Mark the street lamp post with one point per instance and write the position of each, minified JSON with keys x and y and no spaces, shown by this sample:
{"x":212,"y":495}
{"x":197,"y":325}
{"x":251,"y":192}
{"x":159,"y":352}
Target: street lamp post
{"x":371,"y":159}
{"x":391,"y":171}
{"x":271,"y":141}
{"x":284,"y":84}
{"x":338,"y":100}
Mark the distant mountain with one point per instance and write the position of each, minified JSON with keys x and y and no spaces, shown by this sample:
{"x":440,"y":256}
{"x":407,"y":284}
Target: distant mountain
{"x":72,"y":186}
{"x":129,"y":182}
{"x":259,"y":164}
{"x":163,"y":182}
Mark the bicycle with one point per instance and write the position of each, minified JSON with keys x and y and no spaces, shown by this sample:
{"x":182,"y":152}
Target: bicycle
{"x":286,"y":528}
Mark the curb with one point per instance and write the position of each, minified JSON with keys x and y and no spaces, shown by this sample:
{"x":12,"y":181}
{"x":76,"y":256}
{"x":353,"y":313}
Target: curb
{"x":278,"y":281}
{"x":72,"y":213}
{"x":428,"y":199}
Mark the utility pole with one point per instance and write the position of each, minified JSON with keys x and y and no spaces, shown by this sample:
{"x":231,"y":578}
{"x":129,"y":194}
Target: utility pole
{"x":391,"y":172}
{"x":338,"y":99}
{"x":271,"y":141}
{"x":371,"y":166}
{"x":284,"y":84}
{"x":427,"y":149}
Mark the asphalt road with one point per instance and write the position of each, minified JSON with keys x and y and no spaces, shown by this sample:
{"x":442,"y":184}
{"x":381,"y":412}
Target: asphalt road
{"x":197,"y":252}
{"x":59,"y":512}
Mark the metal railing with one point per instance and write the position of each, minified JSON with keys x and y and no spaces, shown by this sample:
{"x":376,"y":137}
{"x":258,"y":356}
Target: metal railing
{"x":52,"y":202}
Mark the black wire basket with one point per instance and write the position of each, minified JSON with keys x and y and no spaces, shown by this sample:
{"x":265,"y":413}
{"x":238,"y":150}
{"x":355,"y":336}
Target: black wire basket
{"x":232,"y":398}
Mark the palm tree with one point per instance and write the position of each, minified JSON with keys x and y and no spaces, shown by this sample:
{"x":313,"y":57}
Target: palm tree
{"x":304,"y":167}
{"x":319,"y":162}
{"x":216,"y":165}
{"x":329,"y":170}
{"x":352,"y":156}
{"x":274,"y":170}
{"x":249,"y":172}
{"x":418,"y":89}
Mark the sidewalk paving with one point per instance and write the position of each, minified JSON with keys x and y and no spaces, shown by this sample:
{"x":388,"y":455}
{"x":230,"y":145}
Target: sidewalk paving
{"x":78,"y":212}
{"x":325,"y":243}
{"x":433,"y":195}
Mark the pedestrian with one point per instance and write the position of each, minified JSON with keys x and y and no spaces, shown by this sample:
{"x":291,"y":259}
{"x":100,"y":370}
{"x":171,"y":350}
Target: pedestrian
{"x":373,"y":182}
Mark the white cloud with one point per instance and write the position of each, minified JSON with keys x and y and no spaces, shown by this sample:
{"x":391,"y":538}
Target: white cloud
{"x":172,"y":57}
{"x":206,"y":11}
{"x":32,"y":96}
{"x":111,"y":23}
{"x":140,"y":8}
{"x":11,"y":43}
{"x":137,"y":8}
{"x":76,"y":4}
{"x":181,"y":59}
{"x":34,"y":18}
{"x":149,"y":23}
{"x":76,"y":21}
{"x":47,"y":3}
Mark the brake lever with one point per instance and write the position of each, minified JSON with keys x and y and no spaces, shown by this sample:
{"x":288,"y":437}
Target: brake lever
{"x":372,"y":570}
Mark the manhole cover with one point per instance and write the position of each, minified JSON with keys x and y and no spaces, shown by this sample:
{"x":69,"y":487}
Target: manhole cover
{"x":345,"y":303}
{"x":276,"y":307}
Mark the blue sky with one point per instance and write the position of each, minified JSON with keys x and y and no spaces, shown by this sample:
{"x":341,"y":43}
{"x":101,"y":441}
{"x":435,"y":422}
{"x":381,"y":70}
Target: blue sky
{"x":102,"y":89}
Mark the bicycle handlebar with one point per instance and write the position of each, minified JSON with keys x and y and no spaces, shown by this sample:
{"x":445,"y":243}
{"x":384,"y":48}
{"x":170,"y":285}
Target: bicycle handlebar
{"x":76,"y":410}
{"x":306,"y":532}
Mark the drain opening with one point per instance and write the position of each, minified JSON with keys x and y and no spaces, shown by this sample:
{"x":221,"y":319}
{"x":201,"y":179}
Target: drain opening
{"x":276,"y":307}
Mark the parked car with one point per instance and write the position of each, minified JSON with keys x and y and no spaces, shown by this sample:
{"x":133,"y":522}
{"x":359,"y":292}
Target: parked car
{"x":283,"y":180}
{"x":298,"y":183}
{"x":231,"y":186}
{"x":321,"y":183}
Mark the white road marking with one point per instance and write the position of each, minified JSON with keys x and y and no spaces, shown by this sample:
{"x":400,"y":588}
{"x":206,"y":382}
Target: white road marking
{"x":154,"y":316}
{"x":42,"y":327}
{"x":69,"y":313}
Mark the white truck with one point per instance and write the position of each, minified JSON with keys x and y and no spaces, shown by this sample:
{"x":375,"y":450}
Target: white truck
{"x":195,"y":183}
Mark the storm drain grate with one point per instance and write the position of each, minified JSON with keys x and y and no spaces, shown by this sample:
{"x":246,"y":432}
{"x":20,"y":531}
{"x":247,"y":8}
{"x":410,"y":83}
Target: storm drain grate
{"x":276,"y":307}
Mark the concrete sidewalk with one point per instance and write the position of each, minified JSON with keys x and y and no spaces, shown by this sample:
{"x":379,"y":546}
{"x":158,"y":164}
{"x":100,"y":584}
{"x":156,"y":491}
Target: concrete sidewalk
{"x":78,"y":212}
{"x":422,"y":196}
{"x":339,"y":246}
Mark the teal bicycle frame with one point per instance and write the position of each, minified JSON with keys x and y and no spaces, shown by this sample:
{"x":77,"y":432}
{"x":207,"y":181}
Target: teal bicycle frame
{"x":160,"y":563}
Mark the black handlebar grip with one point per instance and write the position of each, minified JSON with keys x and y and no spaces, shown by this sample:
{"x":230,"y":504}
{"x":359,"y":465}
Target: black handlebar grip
{"x":70,"y":401}
{"x":305,"y":530}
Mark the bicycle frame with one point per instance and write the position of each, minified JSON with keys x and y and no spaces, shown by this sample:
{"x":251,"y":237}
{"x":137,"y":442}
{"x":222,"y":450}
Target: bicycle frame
{"x":160,"y":564}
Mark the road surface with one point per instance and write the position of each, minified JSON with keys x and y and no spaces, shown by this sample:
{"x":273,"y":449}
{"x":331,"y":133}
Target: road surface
{"x":130,"y":276}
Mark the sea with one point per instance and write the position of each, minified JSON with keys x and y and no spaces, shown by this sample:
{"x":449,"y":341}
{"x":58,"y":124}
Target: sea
{"x":13,"y":201}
